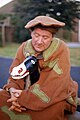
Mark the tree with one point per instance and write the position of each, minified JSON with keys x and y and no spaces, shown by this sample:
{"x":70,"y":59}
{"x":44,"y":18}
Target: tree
{"x":63,"y":10}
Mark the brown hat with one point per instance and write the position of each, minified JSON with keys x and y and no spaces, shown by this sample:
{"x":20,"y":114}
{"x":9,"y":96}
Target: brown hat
{"x":44,"y":21}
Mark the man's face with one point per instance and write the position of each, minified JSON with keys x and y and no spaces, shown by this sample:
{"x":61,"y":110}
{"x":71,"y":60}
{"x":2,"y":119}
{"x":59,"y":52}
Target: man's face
{"x":41,"y":39}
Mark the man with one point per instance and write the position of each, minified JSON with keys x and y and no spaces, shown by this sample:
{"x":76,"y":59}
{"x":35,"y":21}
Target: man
{"x":54,"y":95}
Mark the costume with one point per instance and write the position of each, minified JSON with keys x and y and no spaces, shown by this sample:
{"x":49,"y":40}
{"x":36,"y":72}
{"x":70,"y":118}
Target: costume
{"x":54,"y":92}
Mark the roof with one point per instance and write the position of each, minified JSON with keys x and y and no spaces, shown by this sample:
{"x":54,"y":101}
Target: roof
{"x":8,"y":8}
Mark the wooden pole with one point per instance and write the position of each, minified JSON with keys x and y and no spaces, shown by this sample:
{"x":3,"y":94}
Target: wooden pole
{"x":3,"y":35}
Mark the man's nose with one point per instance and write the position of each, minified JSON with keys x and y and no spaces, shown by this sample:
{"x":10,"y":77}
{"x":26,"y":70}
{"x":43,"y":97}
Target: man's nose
{"x":40,"y":40}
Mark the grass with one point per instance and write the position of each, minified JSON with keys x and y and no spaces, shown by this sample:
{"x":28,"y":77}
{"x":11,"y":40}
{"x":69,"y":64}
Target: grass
{"x":75,"y":56}
{"x":10,"y":49}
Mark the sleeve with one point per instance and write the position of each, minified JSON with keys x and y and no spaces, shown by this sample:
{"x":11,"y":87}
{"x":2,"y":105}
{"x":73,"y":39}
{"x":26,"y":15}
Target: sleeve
{"x":52,"y":86}
{"x":18,"y":84}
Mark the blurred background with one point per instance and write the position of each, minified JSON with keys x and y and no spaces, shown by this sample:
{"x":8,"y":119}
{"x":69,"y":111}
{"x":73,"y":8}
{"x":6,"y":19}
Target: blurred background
{"x":14,"y":14}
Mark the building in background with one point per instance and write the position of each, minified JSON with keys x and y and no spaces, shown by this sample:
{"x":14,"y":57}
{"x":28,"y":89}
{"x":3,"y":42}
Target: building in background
{"x":8,"y":8}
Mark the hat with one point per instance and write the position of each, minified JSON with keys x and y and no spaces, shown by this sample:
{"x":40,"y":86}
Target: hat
{"x":51,"y":29}
{"x":44,"y":21}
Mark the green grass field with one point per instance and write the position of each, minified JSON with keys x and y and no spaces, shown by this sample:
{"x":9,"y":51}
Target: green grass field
{"x":75,"y":56}
{"x":10,"y":49}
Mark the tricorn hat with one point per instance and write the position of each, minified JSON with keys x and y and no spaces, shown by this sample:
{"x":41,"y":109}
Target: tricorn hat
{"x":44,"y":21}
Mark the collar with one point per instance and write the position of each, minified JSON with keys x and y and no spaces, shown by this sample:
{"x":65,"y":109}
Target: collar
{"x":28,"y":49}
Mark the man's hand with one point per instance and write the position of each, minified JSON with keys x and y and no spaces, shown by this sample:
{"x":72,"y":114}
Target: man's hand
{"x":15,"y":92}
{"x":15,"y":106}
{"x":14,"y":96}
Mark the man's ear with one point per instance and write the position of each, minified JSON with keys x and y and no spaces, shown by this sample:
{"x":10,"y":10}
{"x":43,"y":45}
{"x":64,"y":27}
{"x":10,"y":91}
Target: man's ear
{"x":31,"y":33}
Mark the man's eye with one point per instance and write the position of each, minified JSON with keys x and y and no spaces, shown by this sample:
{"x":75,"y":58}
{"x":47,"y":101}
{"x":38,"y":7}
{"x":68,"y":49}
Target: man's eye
{"x":45,"y":37}
{"x":36,"y":35}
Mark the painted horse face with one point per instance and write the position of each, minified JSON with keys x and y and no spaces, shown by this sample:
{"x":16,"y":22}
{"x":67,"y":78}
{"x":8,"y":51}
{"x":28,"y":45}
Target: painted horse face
{"x":27,"y":67}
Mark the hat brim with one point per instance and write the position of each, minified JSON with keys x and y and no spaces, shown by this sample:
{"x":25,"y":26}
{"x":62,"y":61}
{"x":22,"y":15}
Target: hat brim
{"x":44,"y":22}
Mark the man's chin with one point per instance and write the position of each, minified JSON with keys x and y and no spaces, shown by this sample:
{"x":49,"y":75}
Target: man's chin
{"x":38,"y":50}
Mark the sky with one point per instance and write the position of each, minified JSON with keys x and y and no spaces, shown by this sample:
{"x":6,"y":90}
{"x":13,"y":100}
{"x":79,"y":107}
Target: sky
{"x":3,"y":2}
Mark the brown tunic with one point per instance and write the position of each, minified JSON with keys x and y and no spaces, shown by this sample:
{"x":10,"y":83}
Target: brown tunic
{"x":55,"y":91}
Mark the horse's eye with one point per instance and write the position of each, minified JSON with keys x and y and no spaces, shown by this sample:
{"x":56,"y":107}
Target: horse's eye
{"x":33,"y":62}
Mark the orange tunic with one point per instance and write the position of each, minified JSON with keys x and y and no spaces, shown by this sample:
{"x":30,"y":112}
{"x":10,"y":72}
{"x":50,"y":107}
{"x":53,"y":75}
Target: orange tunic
{"x":55,"y":91}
